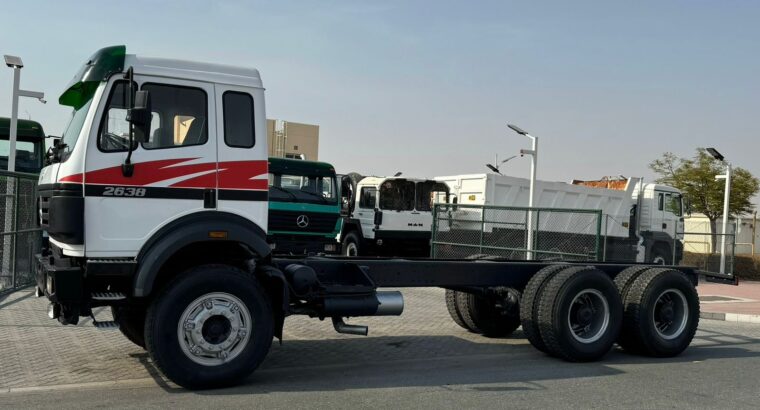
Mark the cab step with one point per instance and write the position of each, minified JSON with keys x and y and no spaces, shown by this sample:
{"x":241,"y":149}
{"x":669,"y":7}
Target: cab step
{"x":108,"y":296}
{"x":105,"y":325}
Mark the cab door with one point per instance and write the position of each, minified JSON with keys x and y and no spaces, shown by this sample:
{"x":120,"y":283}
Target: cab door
{"x":242,"y":151}
{"x":173,"y":172}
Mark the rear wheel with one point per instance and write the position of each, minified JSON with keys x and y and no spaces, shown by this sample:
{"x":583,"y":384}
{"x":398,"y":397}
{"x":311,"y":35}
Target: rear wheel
{"x":351,"y":244}
{"x":661,"y":314}
{"x":451,"y":306}
{"x":529,"y":304}
{"x":496,"y":315}
{"x":131,"y":322}
{"x":210,"y":327}
{"x":579,"y":314}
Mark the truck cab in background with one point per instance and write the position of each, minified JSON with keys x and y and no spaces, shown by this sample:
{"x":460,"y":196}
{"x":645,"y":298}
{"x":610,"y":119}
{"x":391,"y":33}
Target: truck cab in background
{"x":388,"y":215}
{"x":30,"y":145}
{"x":304,"y":208}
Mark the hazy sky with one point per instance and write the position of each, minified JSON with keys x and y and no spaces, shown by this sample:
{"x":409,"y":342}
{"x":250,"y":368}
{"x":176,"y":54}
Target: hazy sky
{"x":427,"y":88}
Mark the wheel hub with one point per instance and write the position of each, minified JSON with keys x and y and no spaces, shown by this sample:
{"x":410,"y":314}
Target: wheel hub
{"x":589,"y":316}
{"x":214,"y":328}
{"x":671,"y":314}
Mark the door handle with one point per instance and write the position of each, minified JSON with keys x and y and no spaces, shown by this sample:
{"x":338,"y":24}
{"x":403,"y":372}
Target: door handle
{"x":664,"y":225}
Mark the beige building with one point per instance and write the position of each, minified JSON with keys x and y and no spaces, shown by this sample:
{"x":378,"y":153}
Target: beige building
{"x":293,"y":140}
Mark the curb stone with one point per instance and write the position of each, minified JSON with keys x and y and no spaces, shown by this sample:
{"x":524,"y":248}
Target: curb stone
{"x":730,"y":317}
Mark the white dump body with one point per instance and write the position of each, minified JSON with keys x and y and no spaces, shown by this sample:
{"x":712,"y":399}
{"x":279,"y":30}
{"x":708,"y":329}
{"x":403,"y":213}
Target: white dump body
{"x":501,"y":190}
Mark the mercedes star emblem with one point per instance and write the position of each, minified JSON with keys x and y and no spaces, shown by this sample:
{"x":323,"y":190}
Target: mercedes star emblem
{"x":302,"y":221}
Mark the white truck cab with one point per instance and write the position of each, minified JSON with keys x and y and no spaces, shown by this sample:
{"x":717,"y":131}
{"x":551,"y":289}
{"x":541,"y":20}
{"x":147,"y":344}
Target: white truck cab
{"x":389,"y":215}
{"x":205,"y":149}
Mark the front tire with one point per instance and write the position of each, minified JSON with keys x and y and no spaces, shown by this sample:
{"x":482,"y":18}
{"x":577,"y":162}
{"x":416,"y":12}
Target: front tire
{"x":351,"y":245}
{"x":131,"y":322}
{"x":210,"y":327}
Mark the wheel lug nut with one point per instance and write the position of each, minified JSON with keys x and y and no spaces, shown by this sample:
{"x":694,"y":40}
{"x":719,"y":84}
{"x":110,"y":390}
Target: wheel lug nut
{"x":208,"y":304}
{"x":189,"y":325}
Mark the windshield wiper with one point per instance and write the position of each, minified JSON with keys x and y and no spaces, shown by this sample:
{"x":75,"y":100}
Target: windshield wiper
{"x":292,"y":195}
{"x":315,"y":194}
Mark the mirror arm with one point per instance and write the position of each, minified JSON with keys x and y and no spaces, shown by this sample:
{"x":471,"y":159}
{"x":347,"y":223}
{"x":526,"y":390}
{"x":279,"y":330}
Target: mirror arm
{"x":127,"y":168}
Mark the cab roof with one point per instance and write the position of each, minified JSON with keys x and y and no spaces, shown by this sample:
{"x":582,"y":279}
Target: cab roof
{"x":194,"y":70}
{"x":25,"y":128}
{"x":300,"y":167}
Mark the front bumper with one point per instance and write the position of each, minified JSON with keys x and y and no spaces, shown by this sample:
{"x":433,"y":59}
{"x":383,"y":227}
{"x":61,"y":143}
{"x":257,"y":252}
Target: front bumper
{"x":58,"y":278}
{"x":303,"y":245}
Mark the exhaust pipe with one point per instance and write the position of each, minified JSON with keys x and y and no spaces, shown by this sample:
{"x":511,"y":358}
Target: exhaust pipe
{"x":387,"y":303}
{"x":343,"y":327}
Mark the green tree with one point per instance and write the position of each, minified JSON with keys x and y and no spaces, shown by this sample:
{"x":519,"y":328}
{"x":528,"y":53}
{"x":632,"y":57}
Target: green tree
{"x":695,"y":177}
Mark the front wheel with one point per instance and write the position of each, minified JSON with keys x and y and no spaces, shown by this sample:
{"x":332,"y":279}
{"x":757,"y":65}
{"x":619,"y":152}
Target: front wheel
{"x":351,"y":244}
{"x":210,"y":327}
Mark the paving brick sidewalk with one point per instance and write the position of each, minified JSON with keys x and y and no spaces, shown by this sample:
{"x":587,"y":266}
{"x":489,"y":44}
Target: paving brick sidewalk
{"x":732,"y":303}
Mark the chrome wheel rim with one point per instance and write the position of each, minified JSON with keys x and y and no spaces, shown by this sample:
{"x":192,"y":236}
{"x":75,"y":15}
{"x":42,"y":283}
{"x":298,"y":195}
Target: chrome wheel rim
{"x":214,"y":329}
{"x":589,"y":316}
{"x":670,"y":314}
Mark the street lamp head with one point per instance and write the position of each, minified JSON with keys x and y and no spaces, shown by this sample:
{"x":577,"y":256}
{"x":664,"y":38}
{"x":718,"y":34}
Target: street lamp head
{"x":715,"y":154}
{"x":13,"y":61}
{"x":517,"y":129}
{"x":42,"y":100}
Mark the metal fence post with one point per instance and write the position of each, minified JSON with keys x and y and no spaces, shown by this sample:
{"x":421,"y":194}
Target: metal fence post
{"x":434,"y":230}
{"x":598,"y":232}
{"x":14,"y":236}
{"x":535,"y":232}
{"x":482,"y":228}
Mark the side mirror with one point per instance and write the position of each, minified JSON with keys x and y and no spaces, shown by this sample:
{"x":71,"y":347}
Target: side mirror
{"x":56,"y":140}
{"x":687,"y":206}
{"x":140,"y":115}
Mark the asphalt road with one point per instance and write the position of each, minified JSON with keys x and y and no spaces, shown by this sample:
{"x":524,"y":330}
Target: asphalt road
{"x":422,"y":360}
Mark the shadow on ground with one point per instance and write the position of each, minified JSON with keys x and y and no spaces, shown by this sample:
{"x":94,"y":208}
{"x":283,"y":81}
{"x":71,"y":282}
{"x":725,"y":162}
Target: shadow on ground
{"x":440,"y":361}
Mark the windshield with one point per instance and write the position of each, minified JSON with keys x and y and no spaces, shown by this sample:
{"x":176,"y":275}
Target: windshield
{"x":28,"y":155}
{"x":71,"y":134}
{"x":302,"y":188}
{"x":397,"y":195}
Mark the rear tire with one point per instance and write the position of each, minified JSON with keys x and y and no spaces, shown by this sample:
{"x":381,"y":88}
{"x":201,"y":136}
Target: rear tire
{"x":131,"y":322}
{"x":661,"y":314}
{"x":482,"y":315}
{"x":580,"y":314}
{"x":451,"y":306}
{"x":351,"y":244}
{"x":529,"y":304}
{"x":210,"y":327}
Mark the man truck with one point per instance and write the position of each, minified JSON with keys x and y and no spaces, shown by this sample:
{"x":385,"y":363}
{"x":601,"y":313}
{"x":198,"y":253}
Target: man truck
{"x":156,"y":206}
{"x":389,"y":216}
{"x":642,"y":222}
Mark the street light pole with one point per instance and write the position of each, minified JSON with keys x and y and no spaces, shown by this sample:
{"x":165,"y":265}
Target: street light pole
{"x":16,"y":64}
{"x":533,"y":152}
{"x":726,"y":200}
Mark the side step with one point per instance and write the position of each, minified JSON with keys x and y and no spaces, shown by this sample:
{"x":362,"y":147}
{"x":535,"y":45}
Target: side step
{"x":105,"y":325}
{"x":108,"y":296}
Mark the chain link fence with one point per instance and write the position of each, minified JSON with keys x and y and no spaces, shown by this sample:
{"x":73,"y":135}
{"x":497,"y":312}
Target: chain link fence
{"x":20,"y":237}
{"x":470,"y":231}
{"x":702,"y":248}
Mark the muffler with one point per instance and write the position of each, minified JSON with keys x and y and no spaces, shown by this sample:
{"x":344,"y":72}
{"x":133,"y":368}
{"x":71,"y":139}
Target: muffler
{"x":385,"y":303}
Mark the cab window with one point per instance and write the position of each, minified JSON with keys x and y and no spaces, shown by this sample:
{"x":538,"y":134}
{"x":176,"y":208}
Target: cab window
{"x":368,"y":198}
{"x":182,"y":116}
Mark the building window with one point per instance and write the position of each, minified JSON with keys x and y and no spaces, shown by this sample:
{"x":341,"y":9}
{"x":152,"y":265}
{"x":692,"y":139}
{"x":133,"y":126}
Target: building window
{"x":238,"y":120}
